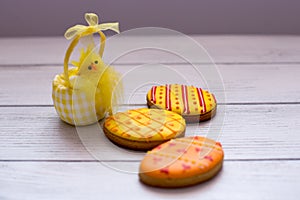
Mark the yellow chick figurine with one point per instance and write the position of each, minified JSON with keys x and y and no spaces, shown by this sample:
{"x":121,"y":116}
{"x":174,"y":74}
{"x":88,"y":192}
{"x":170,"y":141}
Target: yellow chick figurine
{"x":100,"y":82}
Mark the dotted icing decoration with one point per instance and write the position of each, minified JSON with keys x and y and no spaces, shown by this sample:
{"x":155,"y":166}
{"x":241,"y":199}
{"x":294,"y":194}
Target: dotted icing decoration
{"x":145,"y":124}
{"x":182,"y":99}
{"x":182,"y":157}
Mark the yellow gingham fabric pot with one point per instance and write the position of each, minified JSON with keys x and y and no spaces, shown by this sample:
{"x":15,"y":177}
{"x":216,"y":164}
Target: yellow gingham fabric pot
{"x":74,"y":106}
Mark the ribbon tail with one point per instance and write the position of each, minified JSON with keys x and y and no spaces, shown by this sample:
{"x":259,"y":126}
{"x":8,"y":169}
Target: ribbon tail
{"x":110,"y":26}
{"x":73,"y":31}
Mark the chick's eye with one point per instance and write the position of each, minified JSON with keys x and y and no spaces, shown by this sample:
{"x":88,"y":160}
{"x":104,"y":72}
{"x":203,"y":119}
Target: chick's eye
{"x":96,"y":61}
{"x":89,"y":68}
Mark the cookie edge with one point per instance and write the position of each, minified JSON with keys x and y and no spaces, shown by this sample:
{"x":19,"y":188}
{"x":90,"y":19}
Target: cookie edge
{"x":134,"y":144}
{"x":180,"y":182}
{"x":189,"y":118}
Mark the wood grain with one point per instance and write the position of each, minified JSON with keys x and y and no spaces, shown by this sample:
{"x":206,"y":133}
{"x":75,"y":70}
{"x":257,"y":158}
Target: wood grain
{"x":47,"y":180}
{"x":246,"y":132}
{"x":242,"y":83}
{"x":232,"y":49}
{"x":257,"y":120}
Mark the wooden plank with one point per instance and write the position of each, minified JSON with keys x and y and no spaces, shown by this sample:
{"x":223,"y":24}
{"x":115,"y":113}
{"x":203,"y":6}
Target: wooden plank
{"x":230,"y":84}
{"x":26,"y":86}
{"x":242,"y":83}
{"x":44,"y":180}
{"x":32,"y":133}
{"x":222,"y":48}
{"x":246,"y":132}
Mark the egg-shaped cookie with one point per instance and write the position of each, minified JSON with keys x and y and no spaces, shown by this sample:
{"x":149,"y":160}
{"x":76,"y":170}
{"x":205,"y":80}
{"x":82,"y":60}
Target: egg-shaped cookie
{"x":194,"y":104}
{"x":143,"y":129}
{"x":182,"y":162}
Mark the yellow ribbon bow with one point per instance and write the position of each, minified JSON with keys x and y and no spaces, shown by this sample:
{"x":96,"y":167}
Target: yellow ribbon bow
{"x":92,"y":20}
{"x":78,"y":31}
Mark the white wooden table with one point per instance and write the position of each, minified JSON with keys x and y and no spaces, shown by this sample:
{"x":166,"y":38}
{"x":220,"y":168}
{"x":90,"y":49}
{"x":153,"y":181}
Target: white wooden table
{"x":44,"y":158}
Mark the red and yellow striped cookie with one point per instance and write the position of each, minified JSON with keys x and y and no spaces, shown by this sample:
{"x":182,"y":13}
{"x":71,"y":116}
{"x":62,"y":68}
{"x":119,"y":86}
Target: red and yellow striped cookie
{"x":182,"y":162}
{"x":143,"y":129}
{"x":194,"y":104}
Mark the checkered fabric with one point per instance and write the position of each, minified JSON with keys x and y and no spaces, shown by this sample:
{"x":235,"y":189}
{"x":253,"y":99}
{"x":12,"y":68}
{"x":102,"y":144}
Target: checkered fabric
{"x":73,"y":106}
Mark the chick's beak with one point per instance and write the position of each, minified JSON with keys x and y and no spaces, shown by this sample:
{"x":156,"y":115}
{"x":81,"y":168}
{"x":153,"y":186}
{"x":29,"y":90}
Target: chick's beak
{"x":94,"y":67}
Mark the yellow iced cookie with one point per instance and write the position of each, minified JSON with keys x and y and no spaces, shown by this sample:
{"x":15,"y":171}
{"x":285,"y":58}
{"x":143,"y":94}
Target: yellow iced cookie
{"x":143,"y":129}
{"x":194,"y":104}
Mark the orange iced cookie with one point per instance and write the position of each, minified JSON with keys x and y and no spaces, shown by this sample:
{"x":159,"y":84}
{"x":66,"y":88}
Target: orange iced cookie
{"x":143,"y":129}
{"x":194,"y":104}
{"x":182,"y":162}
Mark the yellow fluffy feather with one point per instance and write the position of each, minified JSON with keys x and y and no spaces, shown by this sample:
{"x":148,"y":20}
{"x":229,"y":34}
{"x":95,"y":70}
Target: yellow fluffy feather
{"x":97,"y":80}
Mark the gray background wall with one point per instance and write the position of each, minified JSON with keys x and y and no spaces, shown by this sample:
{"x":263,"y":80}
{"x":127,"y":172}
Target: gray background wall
{"x":53,"y":17}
